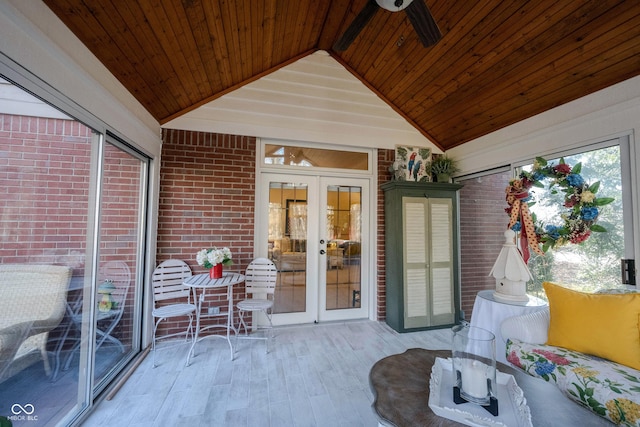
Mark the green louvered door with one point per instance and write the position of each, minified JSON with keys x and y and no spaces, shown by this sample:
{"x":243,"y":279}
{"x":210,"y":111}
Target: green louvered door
{"x":421,"y":255}
{"x":428,"y":262}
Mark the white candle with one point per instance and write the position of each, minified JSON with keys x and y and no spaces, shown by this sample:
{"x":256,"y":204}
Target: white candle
{"x":474,"y":378}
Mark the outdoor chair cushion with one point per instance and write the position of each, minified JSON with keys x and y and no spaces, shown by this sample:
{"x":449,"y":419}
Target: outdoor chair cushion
{"x":607,"y":388}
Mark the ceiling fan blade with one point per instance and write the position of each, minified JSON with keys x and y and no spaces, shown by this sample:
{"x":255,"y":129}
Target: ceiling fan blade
{"x":357,"y":25}
{"x":423,"y":23}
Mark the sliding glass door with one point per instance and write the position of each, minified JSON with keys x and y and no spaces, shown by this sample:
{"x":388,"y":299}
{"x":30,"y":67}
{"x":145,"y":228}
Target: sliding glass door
{"x":113,"y":309}
{"x":73,"y":200}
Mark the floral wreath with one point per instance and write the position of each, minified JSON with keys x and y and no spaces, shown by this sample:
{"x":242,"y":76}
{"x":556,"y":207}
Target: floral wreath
{"x":580,"y":200}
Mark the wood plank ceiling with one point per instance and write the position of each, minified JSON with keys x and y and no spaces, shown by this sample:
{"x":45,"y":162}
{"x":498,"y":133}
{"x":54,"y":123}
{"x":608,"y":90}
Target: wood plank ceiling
{"x":499,"y":61}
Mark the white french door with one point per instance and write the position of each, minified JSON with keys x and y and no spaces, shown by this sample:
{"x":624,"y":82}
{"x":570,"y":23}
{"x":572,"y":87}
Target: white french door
{"x":315,"y":230}
{"x":343,"y":264}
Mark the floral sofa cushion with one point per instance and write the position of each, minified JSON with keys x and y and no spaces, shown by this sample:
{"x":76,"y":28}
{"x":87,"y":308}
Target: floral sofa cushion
{"x":609,"y":389}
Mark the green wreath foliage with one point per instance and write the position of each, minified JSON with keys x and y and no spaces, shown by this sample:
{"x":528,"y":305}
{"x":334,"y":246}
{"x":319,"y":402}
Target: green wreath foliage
{"x":580,"y":201}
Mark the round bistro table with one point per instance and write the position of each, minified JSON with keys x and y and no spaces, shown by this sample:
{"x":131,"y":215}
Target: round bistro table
{"x":203,"y":283}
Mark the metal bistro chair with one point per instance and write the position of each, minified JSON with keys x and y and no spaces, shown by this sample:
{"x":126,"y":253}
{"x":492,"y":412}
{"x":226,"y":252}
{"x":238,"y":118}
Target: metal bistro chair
{"x":119,"y":274}
{"x":167,"y":281}
{"x":260,"y":282}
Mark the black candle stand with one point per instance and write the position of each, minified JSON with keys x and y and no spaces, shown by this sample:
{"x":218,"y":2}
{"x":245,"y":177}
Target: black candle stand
{"x":492,"y":407}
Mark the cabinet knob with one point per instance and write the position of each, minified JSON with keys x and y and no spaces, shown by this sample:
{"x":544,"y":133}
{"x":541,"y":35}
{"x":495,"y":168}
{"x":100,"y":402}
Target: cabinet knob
{"x":322,"y":252}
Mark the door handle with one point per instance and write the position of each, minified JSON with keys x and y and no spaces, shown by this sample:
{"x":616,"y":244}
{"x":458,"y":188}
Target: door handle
{"x":322,"y":252}
{"x":628,"y":271}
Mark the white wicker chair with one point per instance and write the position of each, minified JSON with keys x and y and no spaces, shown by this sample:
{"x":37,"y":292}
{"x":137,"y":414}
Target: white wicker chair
{"x":32,"y":303}
{"x":260,"y":282}
{"x":167,"y":281}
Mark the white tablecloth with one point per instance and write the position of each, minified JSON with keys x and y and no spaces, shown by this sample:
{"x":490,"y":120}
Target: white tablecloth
{"x":488,"y":314}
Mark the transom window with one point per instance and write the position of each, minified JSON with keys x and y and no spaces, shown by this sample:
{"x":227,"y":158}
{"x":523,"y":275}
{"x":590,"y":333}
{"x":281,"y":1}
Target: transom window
{"x":278,"y":154}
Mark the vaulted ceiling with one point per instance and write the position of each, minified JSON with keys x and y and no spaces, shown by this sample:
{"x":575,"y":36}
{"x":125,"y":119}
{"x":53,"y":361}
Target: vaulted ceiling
{"x":498,"y":62}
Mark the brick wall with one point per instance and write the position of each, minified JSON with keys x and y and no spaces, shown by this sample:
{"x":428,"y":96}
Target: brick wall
{"x":44,"y":186}
{"x":207,"y":196}
{"x":482,"y":224}
{"x":385,"y":160}
{"x":119,"y":227}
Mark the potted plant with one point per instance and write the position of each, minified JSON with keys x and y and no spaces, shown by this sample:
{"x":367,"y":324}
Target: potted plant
{"x":443,"y":167}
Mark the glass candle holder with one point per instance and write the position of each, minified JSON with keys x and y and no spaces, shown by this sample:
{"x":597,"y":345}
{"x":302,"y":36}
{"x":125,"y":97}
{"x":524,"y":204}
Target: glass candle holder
{"x":474,"y":365}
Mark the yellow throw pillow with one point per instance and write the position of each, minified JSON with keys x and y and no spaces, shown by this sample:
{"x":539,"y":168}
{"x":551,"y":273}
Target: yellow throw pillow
{"x":603,"y":325}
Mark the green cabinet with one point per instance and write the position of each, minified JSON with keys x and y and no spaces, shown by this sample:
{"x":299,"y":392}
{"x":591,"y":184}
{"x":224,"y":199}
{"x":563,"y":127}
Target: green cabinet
{"x":421,"y":255}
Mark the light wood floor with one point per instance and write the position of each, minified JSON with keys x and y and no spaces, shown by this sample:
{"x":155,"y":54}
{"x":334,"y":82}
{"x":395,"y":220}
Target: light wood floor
{"x":314,"y":375}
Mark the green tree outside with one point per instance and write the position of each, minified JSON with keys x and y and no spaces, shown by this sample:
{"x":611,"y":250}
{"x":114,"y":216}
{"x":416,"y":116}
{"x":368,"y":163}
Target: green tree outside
{"x":595,"y":263}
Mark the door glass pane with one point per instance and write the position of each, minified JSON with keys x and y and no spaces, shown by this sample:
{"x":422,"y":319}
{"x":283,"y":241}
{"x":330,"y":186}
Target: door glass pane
{"x":119,"y":237}
{"x":44,"y":211}
{"x":344,"y":227}
{"x":288,"y":244}
{"x":595,"y":263}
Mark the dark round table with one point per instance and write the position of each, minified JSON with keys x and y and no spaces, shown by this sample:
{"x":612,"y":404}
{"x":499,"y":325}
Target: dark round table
{"x":400,"y":386}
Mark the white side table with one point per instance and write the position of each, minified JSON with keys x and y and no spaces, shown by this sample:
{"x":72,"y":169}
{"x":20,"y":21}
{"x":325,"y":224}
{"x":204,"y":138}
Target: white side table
{"x":488,"y":314}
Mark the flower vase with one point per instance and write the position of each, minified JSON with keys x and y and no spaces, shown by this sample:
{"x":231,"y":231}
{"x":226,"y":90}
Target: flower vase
{"x":216,"y":271}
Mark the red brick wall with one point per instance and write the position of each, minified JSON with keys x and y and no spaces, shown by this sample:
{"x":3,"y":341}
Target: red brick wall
{"x":120,"y":210}
{"x":385,"y":160}
{"x":207,"y":194}
{"x":482,"y":224}
{"x":119,"y":225}
{"x":44,"y":187}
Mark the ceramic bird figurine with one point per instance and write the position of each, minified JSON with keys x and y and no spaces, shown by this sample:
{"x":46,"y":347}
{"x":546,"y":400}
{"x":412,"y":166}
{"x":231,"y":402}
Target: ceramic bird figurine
{"x":412,"y":160}
{"x":416,"y":169}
